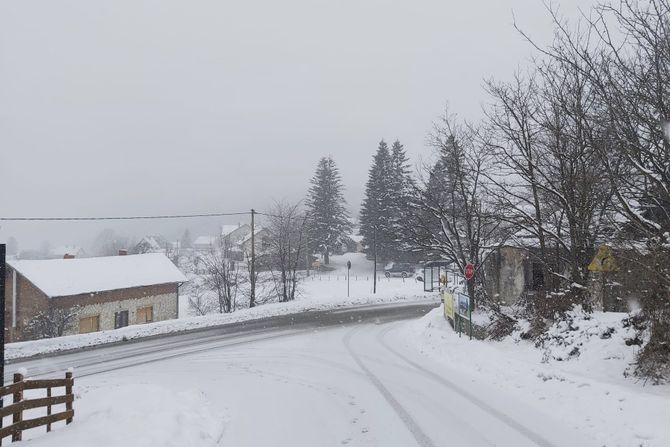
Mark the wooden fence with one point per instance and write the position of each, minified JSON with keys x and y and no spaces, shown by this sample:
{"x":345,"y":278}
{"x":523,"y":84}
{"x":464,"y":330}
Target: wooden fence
{"x":19,"y":404}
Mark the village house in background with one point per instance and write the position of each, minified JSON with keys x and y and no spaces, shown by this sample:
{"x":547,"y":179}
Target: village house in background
{"x":153,"y":243}
{"x":88,"y":295}
{"x":67,"y":251}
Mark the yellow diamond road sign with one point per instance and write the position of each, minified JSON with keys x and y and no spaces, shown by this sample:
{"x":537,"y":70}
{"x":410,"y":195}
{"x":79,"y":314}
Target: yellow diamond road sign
{"x":603,"y":261}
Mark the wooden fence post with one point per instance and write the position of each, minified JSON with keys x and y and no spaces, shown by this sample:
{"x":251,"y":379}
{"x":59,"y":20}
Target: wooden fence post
{"x":18,"y":416}
{"x":49,"y":408}
{"x":69,"y":381}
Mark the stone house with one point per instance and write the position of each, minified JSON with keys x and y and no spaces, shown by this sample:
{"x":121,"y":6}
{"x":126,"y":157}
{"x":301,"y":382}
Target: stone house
{"x":100,"y":293}
{"x":510,"y":272}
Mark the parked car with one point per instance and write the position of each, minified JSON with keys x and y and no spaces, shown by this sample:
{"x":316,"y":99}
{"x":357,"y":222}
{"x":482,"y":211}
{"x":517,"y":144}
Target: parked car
{"x":399,"y":269}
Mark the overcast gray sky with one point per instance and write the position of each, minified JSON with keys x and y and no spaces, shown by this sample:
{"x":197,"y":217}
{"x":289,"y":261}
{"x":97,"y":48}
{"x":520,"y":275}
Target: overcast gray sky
{"x":162,"y":106}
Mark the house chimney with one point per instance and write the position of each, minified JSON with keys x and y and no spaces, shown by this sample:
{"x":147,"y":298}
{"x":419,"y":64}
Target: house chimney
{"x":123,"y":251}
{"x":68,"y":256}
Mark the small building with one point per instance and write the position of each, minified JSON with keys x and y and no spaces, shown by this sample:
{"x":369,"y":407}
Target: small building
{"x":97,"y":293}
{"x":67,"y":251}
{"x":261,"y":241}
{"x":205,"y":243}
{"x":234,"y":234}
{"x":153,"y":243}
{"x":512,"y":272}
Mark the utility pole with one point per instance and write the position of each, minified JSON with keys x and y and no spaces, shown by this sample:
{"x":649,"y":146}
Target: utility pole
{"x":3,"y":251}
{"x":348,"y":271}
{"x":374,"y":242}
{"x":307,"y":255}
{"x":252,"y":280}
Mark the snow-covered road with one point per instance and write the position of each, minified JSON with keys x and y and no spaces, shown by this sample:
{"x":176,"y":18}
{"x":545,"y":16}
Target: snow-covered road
{"x":355,"y":384}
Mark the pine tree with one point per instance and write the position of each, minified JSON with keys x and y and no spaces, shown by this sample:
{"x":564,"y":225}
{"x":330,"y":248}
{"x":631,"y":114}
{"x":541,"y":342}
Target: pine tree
{"x":186,"y":239}
{"x":387,"y":202}
{"x":377,"y":205}
{"x":328,"y":218}
{"x":400,"y":192}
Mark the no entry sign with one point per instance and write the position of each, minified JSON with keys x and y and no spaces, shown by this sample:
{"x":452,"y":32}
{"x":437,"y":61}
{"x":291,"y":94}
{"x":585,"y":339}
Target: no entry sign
{"x":469,"y":271}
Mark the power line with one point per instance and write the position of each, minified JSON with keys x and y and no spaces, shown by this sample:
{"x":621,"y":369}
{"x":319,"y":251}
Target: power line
{"x":165,"y":216}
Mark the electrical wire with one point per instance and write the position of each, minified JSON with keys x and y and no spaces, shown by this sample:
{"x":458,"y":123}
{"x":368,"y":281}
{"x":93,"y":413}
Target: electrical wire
{"x":165,"y":216}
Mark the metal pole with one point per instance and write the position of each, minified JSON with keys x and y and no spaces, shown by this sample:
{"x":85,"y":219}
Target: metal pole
{"x":374,"y":279}
{"x":347,"y":283}
{"x":3,"y":251}
{"x":252,"y":280}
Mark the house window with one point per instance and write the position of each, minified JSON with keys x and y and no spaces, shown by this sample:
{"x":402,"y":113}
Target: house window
{"x":120,"y":319}
{"x":89,"y":324}
{"x":145,"y":314}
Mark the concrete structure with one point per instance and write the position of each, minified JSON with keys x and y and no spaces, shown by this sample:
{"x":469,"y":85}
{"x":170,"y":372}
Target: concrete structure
{"x":510,"y":272}
{"x":98,"y":293}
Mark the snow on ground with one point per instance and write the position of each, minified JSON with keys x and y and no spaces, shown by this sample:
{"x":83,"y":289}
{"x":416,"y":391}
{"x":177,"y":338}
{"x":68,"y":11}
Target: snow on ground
{"x":318,"y":292}
{"x":140,"y":414}
{"x":338,"y":386}
{"x":588,"y":391}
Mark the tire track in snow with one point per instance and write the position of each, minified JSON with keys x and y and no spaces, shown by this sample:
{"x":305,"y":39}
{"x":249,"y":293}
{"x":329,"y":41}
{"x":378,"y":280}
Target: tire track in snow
{"x":420,"y":436}
{"x":525,"y":431}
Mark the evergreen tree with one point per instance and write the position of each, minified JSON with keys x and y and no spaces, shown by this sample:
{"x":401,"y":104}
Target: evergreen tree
{"x":328,"y":218}
{"x":387,"y":202}
{"x":186,"y":239}
{"x":401,"y":189}
{"x":377,"y":207}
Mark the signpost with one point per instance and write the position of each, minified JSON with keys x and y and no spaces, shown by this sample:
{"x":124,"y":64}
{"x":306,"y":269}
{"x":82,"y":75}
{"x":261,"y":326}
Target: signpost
{"x":605,"y":263}
{"x":463,"y":311}
{"x":469,"y":271}
{"x":348,"y":269}
{"x":448,"y":300}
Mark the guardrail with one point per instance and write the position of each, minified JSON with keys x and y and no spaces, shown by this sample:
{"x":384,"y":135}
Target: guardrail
{"x":19,"y":404}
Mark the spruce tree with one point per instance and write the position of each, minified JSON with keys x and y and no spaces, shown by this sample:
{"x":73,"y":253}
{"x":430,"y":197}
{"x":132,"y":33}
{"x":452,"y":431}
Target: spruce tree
{"x":328,"y":219}
{"x":401,"y":188}
{"x":377,"y":205}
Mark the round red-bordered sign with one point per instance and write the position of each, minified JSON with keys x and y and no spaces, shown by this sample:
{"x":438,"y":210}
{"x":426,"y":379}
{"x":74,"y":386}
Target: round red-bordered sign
{"x":469,"y":271}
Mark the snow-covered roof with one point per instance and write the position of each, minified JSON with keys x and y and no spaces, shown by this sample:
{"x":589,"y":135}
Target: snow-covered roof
{"x":64,"y":277}
{"x":258,"y":232}
{"x":65,"y":250}
{"x":154,"y":242}
{"x":204,"y":240}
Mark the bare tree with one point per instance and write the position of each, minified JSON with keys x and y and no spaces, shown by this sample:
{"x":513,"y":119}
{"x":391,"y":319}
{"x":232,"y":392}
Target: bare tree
{"x":222,"y":275}
{"x":198,"y":300}
{"x":286,"y":226}
{"x":623,"y":56}
{"x":453,"y":217}
{"x":52,"y":322}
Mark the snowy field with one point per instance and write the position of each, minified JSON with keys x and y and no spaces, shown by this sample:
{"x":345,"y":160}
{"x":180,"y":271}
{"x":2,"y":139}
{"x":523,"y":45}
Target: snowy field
{"x":323,"y":291}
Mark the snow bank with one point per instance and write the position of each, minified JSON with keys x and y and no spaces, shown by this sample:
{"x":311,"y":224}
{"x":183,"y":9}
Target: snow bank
{"x":138,"y":415}
{"x":589,"y":391}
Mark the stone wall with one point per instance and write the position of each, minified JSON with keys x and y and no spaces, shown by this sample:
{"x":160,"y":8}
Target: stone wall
{"x":164,"y":308}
